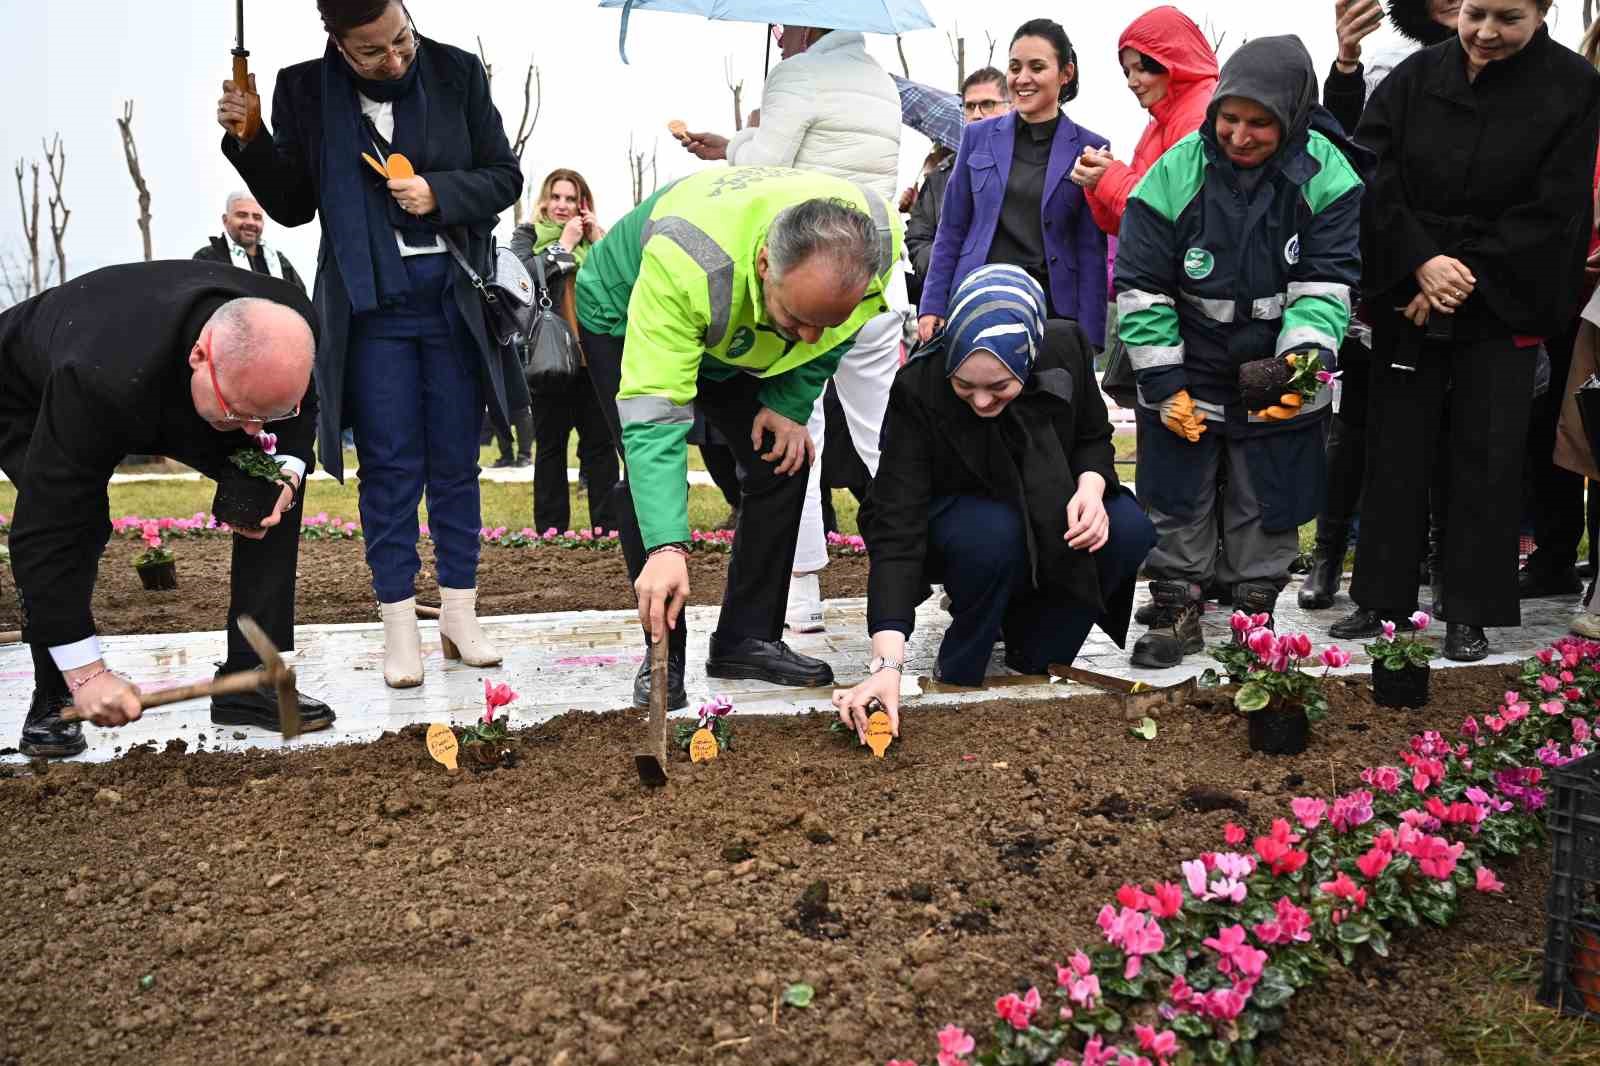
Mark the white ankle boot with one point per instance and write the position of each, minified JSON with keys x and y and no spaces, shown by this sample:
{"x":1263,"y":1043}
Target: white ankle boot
{"x":459,"y":632}
{"x":402,"y":647}
{"x":804,"y":613}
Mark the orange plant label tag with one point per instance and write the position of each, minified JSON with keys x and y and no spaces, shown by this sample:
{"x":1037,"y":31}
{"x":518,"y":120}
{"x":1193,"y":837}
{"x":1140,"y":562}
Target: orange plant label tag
{"x":703,"y":746}
{"x":879,"y":735}
{"x":442,"y":744}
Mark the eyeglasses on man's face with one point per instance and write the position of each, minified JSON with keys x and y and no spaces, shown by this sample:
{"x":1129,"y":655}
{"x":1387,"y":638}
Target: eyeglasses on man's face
{"x":228,"y":413}
{"x":981,"y":107}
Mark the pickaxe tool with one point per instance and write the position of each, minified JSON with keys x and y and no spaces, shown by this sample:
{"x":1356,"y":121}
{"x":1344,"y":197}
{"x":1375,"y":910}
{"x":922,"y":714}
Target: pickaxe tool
{"x":1139,"y":700}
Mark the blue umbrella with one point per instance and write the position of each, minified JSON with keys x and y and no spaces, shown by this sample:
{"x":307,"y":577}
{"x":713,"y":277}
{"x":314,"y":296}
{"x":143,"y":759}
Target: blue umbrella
{"x":866,"y":16}
{"x":932,"y":112}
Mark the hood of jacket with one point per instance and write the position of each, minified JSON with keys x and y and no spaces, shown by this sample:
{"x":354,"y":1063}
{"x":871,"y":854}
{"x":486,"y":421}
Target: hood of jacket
{"x":1411,"y":20}
{"x":1275,"y":72}
{"x":1171,"y":38}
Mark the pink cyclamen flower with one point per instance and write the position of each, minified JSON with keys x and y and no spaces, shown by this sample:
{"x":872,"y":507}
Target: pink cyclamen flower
{"x":1162,"y":1045}
{"x":1553,"y":707}
{"x":1421,"y":620}
{"x":1486,"y":881}
{"x":1263,"y":642}
{"x":1388,"y":631}
{"x":1168,"y":900}
{"x":1239,"y":622}
{"x":1308,"y":810}
{"x":1095,"y":1053}
{"x":1335,"y":657}
{"x":1549,"y":684}
{"x":1326,"y":377}
{"x":1016,"y":1011}
{"x":268,"y":442}
{"x":954,"y":1040}
{"x":1297,"y":646}
{"x":1373,"y":863}
{"x":1233,"y":834}
{"x":1580,"y":730}
{"x":1351,"y":810}
{"x":495,"y":696}
{"x":900,"y":1062}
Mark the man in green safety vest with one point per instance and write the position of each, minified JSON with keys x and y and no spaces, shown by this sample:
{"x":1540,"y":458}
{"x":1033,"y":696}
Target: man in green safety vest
{"x":735,"y":291}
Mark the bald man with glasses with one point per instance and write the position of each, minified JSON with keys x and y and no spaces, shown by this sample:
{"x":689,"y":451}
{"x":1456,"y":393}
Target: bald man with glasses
{"x":183,"y":359}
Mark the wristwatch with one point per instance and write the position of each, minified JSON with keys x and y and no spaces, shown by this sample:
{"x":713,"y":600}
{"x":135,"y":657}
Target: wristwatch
{"x":880,"y":664}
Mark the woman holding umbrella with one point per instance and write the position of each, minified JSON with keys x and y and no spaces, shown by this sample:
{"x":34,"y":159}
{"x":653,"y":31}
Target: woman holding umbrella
{"x":998,"y":481}
{"x":1009,"y":200}
{"x":403,"y":354}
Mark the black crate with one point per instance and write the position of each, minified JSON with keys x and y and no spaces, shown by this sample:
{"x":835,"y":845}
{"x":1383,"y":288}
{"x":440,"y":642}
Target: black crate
{"x":1571,"y":980}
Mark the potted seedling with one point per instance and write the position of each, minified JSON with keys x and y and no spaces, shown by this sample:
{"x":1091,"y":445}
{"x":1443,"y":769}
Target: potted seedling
{"x":1281,"y":384}
{"x":713,"y":718}
{"x":1277,"y":695}
{"x":157,"y":566}
{"x":486,"y":743}
{"x":242,"y":502}
{"x":1400,"y":670}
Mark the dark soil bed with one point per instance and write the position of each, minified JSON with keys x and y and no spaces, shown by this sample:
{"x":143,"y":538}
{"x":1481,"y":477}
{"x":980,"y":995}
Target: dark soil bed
{"x":361,"y":905}
{"x":334,"y":584}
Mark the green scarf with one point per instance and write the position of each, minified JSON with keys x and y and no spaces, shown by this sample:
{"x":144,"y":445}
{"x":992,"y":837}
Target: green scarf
{"x":548,"y":232}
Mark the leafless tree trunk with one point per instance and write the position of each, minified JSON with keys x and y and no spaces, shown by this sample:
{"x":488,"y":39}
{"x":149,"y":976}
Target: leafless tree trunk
{"x":638,"y":167}
{"x":30,"y":228}
{"x":737,"y":89}
{"x":900,"y":46}
{"x":988,"y":60}
{"x":131,"y":152}
{"x":55,"y":155}
{"x":532,"y":105}
{"x":958,"y":51}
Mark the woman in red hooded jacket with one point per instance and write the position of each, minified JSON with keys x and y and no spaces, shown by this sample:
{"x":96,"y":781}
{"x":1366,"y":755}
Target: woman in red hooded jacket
{"x":1172,"y":71}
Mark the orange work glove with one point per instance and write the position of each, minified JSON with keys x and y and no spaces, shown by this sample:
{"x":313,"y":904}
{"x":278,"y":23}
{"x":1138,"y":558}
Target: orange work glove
{"x":1287,"y":407}
{"x":1179,"y":415}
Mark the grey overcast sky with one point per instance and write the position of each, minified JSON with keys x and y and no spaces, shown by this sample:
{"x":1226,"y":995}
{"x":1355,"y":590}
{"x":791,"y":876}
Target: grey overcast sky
{"x":70,"y":64}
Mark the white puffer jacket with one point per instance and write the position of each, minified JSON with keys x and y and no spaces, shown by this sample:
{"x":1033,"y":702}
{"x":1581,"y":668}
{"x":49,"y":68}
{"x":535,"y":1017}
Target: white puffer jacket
{"x":831,"y":109}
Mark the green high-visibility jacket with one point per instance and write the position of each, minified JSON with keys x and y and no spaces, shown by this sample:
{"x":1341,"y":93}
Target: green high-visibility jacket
{"x":676,"y":277}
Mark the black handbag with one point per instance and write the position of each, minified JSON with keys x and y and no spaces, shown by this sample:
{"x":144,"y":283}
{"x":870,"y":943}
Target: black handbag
{"x":1118,"y":381}
{"x":550,"y":359}
{"x":508,"y":296}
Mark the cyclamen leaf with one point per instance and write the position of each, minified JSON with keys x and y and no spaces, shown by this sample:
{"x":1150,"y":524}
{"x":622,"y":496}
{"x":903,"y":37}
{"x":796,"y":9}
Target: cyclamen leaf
{"x":1145,"y":730}
{"x":1252,"y":697}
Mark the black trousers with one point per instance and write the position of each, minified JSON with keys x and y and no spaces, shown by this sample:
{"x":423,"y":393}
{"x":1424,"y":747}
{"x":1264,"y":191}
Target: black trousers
{"x":1557,"y":493}
{"x":720,"y":464}
{"x":1465,"y":409}
{"x":757,"y":588}
{"x":522,"y":446}
{"x":556,"y":413}
{"x":260,"y":585}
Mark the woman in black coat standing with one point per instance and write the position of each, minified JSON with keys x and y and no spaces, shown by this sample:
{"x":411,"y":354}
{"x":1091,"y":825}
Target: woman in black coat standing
{"x":996,"y":479}
{"x":1474,"y":237}
{"x":403,"y":356}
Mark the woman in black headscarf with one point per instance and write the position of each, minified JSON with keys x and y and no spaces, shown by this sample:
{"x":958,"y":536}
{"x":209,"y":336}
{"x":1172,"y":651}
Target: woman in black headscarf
{"x":403,"y":354}
{"x":996,"y":479}
{"x":1474,"y":237}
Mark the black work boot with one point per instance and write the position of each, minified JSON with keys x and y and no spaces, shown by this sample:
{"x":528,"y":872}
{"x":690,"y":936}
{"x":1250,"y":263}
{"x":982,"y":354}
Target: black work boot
{"x":1166,"y":645}
{"x":1464,"y":643}
{"x":45,"y":734}
{"x":677,"y":698}
{"x":1153,"y":615}
{"x":1321,"y":585}
{"x":1256,"y":597}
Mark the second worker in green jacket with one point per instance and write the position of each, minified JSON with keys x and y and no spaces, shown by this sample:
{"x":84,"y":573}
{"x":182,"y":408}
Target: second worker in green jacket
{"x":736,"y":290}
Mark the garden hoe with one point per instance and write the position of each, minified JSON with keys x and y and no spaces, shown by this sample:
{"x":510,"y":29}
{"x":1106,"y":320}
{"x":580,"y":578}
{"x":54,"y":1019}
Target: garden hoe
{"x":273,"y":673}
{"x":1139,"y":700}
{"x":652,"y":764}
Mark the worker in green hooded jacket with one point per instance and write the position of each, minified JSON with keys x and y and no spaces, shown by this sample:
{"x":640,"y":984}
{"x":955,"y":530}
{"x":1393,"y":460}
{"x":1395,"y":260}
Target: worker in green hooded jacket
{"x":737,"y":291}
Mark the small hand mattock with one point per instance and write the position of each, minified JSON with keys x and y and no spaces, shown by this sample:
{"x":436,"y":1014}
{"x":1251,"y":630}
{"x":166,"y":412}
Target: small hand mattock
{"x":273,"y":673}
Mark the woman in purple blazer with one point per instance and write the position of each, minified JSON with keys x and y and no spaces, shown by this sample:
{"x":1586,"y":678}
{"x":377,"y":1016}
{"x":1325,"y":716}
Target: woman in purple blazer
{"x":1010,"y":198}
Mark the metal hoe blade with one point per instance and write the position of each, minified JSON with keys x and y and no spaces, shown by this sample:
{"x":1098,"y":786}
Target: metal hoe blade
{"x":652,"y":764}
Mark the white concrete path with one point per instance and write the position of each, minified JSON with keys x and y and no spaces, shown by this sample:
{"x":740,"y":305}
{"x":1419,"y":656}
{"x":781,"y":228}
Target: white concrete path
{"x":586,"y":661}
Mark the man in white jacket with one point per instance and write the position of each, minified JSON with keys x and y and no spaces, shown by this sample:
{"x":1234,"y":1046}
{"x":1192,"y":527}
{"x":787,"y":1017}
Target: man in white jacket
{"x":830,"y":107}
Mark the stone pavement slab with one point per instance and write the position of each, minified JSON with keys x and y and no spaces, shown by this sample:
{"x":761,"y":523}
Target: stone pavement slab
{"x":586,"y":661}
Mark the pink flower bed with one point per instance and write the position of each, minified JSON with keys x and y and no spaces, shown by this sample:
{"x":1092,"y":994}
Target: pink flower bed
{"x":1201,"y":968}
{"x":323,"y":527}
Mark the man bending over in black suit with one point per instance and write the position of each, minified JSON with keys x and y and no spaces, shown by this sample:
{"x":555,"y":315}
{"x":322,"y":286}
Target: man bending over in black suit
{"x":182,"y":359}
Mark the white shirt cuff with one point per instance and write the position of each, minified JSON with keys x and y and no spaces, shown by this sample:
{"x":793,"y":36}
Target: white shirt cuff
{"x":80,"y":653}
{"x":293,"y":465}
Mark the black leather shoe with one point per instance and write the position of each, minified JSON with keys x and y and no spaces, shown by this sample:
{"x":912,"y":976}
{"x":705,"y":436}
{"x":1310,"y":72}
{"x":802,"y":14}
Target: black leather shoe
{"x":505,"y":462}
{"x":1368,"y":622}
{"x":772,"y":661}
{"x":1532,"y":584}
{"x":259,"y":708}
{"x":1464,"y":643}
{"x":45,"y":734}
{"x":1321,"y":585}
{"x":677,"y":698}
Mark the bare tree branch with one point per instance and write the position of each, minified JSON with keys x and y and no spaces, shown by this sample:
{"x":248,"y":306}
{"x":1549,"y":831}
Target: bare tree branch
{"x":900,"y":46}
{"x":55,"y":155}
{"x":958,"y":52}
{"x":532,"y":106}
{"x":737,"y":89}
{"x":638,"y":167}
{"x":988,"y":60}
{"x":131,"y":152}
{"x":1217,"y":37}
{"x":488,"y":68}
{"x":13,"y":278}
{"x":30,"y":227}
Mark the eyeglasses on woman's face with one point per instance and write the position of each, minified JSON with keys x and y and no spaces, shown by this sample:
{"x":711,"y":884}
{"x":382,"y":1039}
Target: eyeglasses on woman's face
{"x":370,"y":59}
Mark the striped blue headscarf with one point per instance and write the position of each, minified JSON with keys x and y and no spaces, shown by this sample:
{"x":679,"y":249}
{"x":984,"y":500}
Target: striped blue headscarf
{"x":997,"y":309}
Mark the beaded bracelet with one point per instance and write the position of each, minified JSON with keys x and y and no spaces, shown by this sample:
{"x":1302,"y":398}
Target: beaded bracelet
{"x":678,"y":548}
{"x":82,"y":681}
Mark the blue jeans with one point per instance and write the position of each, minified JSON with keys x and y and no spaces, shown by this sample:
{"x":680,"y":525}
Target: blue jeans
{"x":977,"y":549}
{"x":415,"y":397}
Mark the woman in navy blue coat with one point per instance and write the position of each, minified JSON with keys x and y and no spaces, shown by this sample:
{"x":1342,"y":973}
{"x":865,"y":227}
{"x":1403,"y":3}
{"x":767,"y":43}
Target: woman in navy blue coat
{"x":403,"y":355}
{"x":1010,"y":198}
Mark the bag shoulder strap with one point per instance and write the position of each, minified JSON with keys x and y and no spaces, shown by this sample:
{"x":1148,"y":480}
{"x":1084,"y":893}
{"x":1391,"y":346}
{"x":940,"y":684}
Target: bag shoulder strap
{"x":461,"y":261}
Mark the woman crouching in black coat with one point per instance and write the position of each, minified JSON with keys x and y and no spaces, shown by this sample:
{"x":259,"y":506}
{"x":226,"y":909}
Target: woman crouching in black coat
{"x":997,"y":481}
